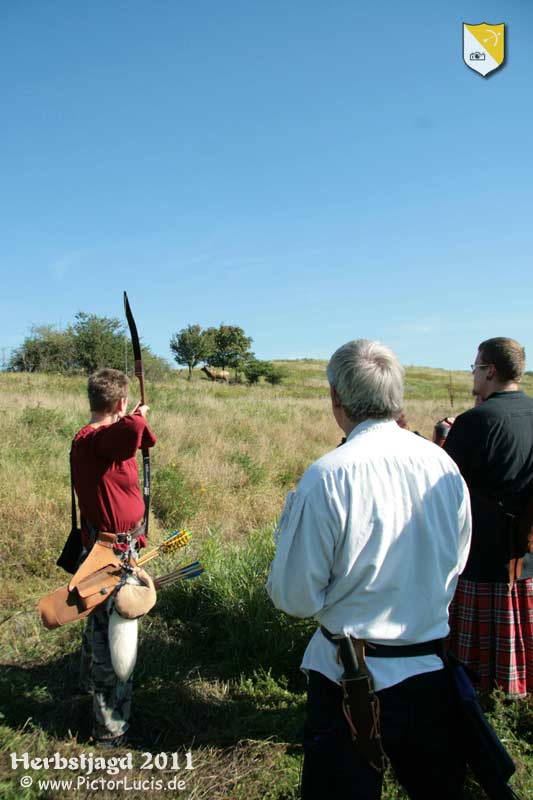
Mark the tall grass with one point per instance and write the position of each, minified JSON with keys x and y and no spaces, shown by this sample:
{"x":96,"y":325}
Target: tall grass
{"x":218,"y":669}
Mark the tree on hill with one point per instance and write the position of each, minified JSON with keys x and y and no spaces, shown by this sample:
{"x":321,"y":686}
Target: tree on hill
{"x":45,"y":350}
{"x":190,"y":346}
{"x":98,"y":342}
{"x":88,"y":344}
{"x":229,"y":347}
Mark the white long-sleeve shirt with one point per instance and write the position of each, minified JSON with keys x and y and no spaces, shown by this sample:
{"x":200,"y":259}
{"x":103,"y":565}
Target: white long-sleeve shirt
{"x":371,"y":544}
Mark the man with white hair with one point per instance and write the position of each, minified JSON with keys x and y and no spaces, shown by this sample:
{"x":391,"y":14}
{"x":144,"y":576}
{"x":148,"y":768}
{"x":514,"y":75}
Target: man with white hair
{"x":371,"y":545}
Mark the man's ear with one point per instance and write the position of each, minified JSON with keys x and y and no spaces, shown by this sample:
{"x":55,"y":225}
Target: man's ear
{"x":122,"y":404}
{"x":491,"y":372}
{"x":335,"y":399}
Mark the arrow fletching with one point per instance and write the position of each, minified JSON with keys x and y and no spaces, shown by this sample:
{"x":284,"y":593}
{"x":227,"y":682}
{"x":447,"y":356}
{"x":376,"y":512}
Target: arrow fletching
{"x":173,"y":542}
{"x":194,"y":574}
{"x":188,"y":571}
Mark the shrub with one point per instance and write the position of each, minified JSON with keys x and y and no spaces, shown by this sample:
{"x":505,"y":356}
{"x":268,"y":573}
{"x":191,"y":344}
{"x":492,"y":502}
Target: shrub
{"x":255,"y":369}
{"x":274,"y":375}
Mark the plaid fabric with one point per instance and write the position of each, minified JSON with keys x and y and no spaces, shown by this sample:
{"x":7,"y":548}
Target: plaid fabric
{"x":491,"y":630}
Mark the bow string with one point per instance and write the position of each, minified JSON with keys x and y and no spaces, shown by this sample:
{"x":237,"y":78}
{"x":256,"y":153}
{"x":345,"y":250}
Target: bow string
{"x":139,"y":373}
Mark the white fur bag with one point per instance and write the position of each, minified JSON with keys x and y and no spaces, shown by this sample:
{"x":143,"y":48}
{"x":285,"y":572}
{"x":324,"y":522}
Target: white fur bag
{"x":123,"y":636}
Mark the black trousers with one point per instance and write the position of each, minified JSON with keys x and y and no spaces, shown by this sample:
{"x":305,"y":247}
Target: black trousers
{"x":419,"y":733}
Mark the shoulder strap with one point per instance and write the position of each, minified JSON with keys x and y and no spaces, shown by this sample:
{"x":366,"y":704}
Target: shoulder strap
{"x":72,"y":496}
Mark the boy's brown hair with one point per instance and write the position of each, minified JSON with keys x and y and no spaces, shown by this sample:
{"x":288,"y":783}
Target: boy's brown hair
{"x":507,"y":355}
{"x":105,"y":388}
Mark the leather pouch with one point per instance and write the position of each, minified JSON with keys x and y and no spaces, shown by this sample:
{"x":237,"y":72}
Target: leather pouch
{"x":62,"y":606}
{"x":100,"y":556}
{"x":98,"y":586}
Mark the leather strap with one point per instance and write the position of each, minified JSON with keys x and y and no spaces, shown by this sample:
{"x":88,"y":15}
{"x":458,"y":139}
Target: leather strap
{"x":515,"y":570}
{"x":73,"y":514}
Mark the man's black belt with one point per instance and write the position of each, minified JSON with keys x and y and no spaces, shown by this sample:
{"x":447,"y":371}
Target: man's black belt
{"x":372,"y":650}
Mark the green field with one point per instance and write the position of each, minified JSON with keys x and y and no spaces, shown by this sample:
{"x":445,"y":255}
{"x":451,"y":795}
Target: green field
{"x":218,"y":668}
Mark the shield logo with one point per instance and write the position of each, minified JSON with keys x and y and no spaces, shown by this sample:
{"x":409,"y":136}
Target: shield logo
{"x":484,"y":47}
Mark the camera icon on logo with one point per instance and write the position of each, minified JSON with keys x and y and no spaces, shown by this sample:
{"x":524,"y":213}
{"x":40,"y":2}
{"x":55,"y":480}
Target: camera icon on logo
{"x":477,"y":56}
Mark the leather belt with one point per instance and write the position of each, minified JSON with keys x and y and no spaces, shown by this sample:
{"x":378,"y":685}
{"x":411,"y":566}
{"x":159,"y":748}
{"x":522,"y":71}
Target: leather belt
{"x":372,"y":650}
{"x":109,"y":540}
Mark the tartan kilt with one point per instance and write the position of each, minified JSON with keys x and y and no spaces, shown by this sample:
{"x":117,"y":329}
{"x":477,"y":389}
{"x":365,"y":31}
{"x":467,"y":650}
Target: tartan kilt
{"x":491,"y":631}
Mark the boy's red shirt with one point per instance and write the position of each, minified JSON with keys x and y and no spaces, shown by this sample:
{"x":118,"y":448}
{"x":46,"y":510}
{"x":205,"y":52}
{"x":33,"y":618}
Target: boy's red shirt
{"x":106,"y":476}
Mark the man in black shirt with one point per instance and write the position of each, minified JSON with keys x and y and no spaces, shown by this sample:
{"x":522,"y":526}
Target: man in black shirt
{"x":492,"y":616}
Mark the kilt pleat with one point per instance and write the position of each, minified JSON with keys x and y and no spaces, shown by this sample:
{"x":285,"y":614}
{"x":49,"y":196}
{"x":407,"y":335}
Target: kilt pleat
{"x":491,"y":630}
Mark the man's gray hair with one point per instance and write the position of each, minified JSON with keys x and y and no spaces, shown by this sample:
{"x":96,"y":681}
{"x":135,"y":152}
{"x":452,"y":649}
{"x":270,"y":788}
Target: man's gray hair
{"x":368,"y":379}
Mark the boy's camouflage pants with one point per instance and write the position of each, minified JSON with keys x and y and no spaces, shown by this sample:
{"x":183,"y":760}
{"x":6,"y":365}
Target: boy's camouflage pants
{"x":111,"y":697}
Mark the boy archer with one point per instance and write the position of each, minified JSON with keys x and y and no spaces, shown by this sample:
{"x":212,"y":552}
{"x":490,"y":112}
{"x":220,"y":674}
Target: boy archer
{"x":105,"y":476}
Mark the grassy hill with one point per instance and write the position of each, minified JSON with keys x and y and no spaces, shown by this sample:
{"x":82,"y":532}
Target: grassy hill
{"x":218,"y":667}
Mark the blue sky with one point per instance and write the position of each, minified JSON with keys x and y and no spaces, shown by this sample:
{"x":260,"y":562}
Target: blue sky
{"x":312,"y":171}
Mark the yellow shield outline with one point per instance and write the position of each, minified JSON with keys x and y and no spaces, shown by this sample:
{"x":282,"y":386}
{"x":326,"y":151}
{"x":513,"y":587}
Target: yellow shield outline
{"x":490,"y":30}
